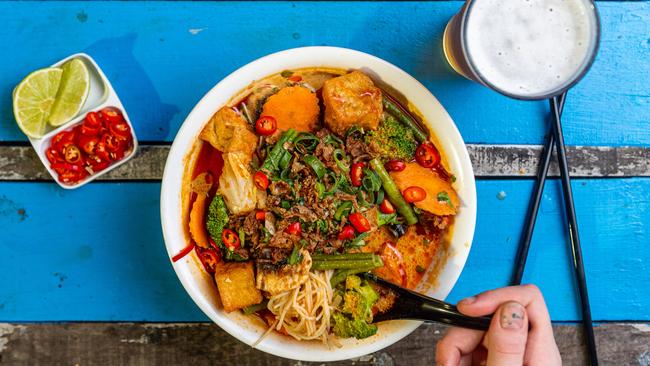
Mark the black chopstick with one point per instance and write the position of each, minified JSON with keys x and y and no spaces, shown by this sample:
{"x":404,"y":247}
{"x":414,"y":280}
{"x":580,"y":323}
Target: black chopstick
{"x":576,"y":249}
{"x":533,"y":206}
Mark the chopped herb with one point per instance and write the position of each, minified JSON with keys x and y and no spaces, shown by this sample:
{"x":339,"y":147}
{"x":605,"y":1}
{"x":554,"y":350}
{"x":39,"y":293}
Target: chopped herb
{"x":255,"y":308}
{"x":242,"y":237}
{"x":453,"y":178}
{"x":444,"y":198}
{"x":420,"y":269}
{"x":286,"y":73}
{"x":358,"y":241}
{"x":343,"y":210}
{"x":285,"y":204}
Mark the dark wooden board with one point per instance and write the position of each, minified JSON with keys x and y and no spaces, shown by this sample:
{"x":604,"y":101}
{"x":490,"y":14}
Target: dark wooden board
{"x":198,"y":344}
{"x":19,"y":163}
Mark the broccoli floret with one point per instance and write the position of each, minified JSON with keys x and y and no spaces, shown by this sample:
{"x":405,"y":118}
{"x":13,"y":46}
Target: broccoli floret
{"x":355,"y":317}
{"x":217,"y":219}
{"x":392,"y":140}
{"x":345,"y":327}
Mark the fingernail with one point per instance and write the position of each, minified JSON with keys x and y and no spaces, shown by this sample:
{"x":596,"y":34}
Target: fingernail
{"x":512,"y":316}
{"x":468,"y":300}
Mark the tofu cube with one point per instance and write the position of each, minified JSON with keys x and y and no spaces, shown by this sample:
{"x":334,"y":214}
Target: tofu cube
{"x":236,"y":283}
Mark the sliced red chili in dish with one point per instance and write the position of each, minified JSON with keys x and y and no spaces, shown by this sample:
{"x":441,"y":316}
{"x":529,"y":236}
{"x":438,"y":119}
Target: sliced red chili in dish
{"x":111,"y":115}
{"x":266,"y":125}
{"x":72,"y":154}
{"x":53,"y":156}
{"x":359,"y":222}
{"x":230,"y":239}
{"x":209,"y":258}
{"x":414,"y":194}
{"x":261,"y":180}
{"x":294,"y":229}
{"x":356,"y":174}
{"x":87,"y":143}
{"x":395,"y":166}
{"x":427,"y":155}
{"x":185,"y":251}
{"x":120,"y":129}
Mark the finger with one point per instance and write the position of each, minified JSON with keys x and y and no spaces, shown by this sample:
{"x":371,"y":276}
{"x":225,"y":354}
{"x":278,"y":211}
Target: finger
{"x":455,"y":344}
{"x":507,"y":336}
{"x":542,"y":350}
{"x":527,"y":295}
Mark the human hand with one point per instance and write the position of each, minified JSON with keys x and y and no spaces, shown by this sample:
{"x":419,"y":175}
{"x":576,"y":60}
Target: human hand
{"x":520,"y":332}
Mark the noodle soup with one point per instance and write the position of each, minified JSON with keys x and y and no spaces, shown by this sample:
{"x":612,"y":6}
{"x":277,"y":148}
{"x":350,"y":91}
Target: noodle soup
{"x":303,"y":182}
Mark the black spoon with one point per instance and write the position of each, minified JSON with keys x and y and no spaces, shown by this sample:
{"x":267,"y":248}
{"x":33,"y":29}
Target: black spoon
{"x":411,"y":305}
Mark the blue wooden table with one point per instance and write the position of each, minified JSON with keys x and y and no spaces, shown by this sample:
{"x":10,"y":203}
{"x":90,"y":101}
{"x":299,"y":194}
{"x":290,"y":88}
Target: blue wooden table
{"x":96,"y":254}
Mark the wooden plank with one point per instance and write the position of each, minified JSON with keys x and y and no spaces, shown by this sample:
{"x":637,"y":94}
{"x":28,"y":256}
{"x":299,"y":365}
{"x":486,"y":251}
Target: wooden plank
{"x":206,"y":344}
{"x":97,"y":254}
{"x":19,"y":163}
{"x":163,"y":56}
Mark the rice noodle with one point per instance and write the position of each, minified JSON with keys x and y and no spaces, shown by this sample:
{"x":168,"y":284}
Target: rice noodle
{"x":304,"y":312}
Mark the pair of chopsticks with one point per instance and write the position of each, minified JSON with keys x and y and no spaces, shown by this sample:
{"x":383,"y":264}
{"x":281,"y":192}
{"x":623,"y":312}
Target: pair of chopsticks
{"x":556,"y":139}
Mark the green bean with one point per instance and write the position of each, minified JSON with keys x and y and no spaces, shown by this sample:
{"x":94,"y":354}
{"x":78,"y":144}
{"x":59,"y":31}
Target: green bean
{"x":396,"y":111}
{"x":273,"y":158}
{"x":393,"y":193}
{"x":317,"y":166}
{"x":341,"y":257}
{"x":321,"y":265}
{"x":341,"y":274}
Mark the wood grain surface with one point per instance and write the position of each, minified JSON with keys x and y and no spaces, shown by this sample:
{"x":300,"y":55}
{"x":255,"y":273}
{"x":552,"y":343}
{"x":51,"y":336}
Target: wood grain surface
{"x":198,"y":344}
{"x":18,"y":163}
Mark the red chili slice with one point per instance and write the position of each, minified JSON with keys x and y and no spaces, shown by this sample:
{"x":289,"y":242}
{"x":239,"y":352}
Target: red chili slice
{"x":92,"y":124}
{"x":209,"y":258}
{"x":395,"y":166}
{"x":356,"y":173}
{"x":230,"y":239}
{"x":111,"y":115}
{"x":53,"y":156}
{"x":260,"y":215}
{"x":266,"y":125}
{"x":62,"y":139}
{"x":295,"y":78}
{"x":386,"y":207}
{"x":414,"y":194}
{"x":120,"y":129}
{"x":294,"y":229}
{"x":261,"y":180}
{"x":87,"y":143}
{"x":346,"y":233}
{"x":427,"y":155}
{"x":72,"y":154}
{"x":185,"y":251}
{"x":97,"y":163}
{"x":359,"y":222}
{"x":102,"y":152}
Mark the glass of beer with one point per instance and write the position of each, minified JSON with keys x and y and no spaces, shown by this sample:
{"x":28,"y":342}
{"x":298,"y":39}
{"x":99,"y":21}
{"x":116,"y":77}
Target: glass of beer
{"x":525,"y":49}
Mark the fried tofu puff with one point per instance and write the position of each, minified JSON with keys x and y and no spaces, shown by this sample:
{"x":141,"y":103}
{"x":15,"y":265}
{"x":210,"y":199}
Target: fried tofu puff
{"x":351,"y":100}
{"x":228,"y":132}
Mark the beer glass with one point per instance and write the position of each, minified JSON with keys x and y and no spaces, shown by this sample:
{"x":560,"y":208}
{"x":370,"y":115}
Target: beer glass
{"x":525,"y":49}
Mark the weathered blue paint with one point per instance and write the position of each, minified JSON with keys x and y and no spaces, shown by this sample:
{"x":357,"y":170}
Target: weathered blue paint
{"x":163,"y":56}
{"x":96,"y":254}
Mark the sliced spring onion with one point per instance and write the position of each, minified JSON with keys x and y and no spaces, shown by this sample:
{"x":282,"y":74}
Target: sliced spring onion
{"x":242,"y":237}
{"x":354,"y":129}
{"x":333,"y":140}
{"x":317,"y":166}
{"x":306,"y":142}
{"x":336,"y":180}
{"x":285,"y":160}
{"x":339,"y":158}
{"x":380,"y":197}
{"x":343,"y":210}
{"x":272,"y":161}
{"x":370,"y":181}
{"x":320,"y":188}
{"x":358,"y":242}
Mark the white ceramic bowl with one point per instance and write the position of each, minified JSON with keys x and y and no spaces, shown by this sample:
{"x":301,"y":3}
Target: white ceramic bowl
{"x":200,"y":286}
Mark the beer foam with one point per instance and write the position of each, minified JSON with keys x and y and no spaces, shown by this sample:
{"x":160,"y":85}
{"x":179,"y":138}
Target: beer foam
{"x":530,"y":48}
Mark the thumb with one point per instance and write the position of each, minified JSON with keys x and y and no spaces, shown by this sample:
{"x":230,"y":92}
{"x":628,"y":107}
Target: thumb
{"x":506,"y":338}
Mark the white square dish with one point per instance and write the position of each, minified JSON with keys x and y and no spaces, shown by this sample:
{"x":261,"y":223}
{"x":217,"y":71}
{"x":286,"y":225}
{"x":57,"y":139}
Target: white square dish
{"x":100,"y":95}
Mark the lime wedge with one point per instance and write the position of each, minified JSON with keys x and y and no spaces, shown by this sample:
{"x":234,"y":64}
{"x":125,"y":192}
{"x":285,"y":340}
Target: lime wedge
{"x":72,"y":94}
{"x":33,"y":100}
